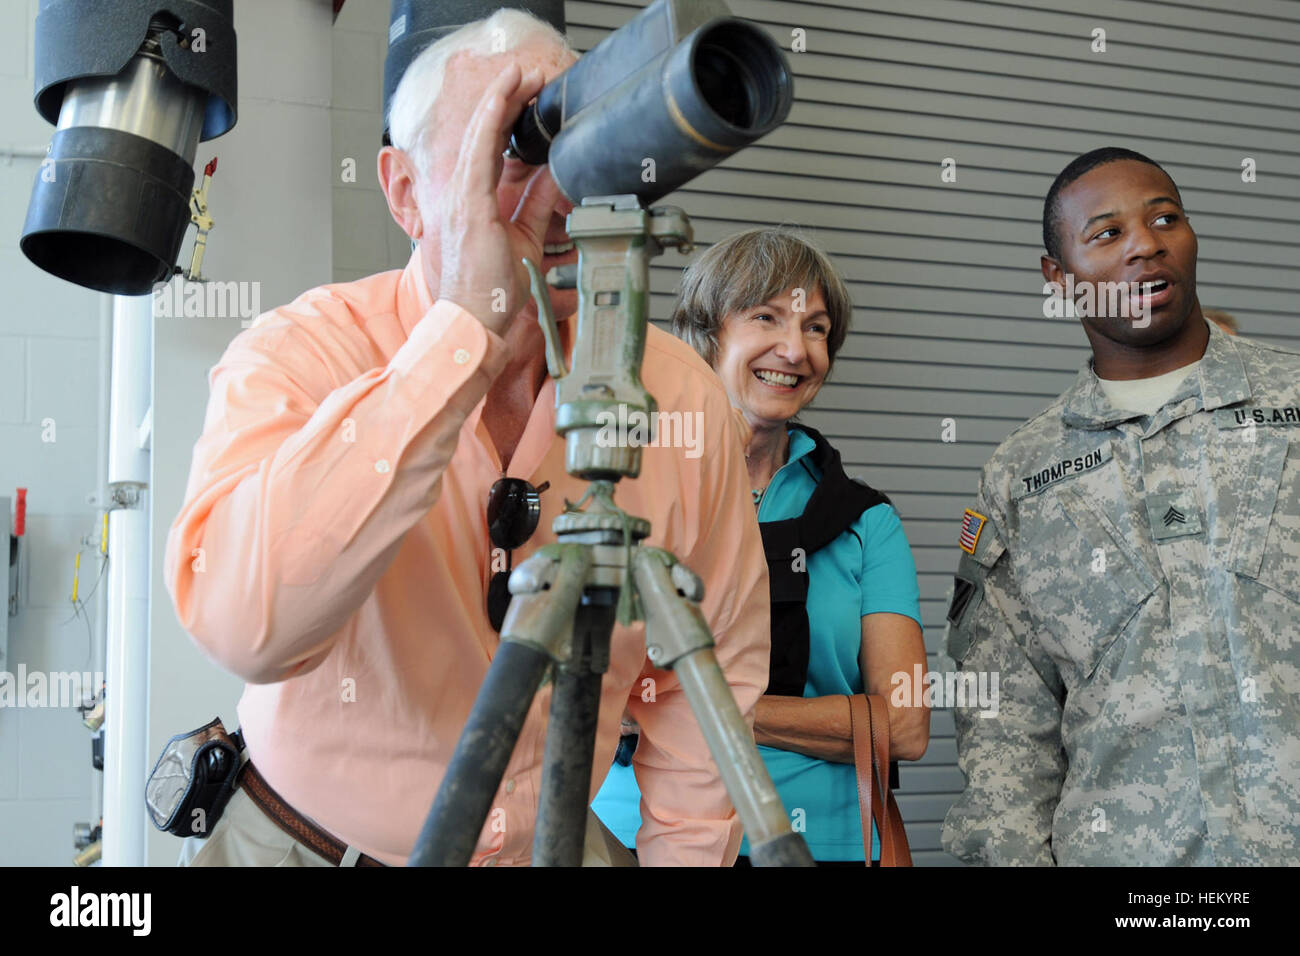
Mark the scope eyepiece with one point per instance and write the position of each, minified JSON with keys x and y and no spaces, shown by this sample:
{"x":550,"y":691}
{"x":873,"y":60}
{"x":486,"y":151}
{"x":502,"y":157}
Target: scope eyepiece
{"x":636,"y":116}
{"x":534,"y":131}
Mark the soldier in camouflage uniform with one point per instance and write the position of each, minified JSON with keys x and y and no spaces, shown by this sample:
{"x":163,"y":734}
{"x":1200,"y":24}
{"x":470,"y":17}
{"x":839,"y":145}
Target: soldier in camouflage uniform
{"x":1134,"y":576}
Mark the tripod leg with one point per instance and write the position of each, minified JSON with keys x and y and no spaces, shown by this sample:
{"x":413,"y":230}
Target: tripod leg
{"x":464,"y":800}
{"x":536,"y":632}
{"x":571,"y":736}
{"x":757,"y":803}
{"x":678,"y":637}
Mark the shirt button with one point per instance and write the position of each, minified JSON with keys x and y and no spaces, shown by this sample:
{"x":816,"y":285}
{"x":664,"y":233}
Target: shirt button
{"x":510,"y":785}
{"x":381,"y":466}
{"x":461,"y":356}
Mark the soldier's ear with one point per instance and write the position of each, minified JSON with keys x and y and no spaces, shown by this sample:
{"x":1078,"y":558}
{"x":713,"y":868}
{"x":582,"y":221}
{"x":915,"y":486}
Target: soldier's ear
{"x":1053,"y":271}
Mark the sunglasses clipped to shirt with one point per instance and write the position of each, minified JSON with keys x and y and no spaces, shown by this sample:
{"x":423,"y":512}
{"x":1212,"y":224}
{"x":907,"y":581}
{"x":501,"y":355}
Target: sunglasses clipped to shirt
{"x":514,"y":507}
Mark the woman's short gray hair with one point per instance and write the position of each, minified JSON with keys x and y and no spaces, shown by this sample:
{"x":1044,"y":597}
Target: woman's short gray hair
{"x":411,"y":107}
{"x":748,"y":269}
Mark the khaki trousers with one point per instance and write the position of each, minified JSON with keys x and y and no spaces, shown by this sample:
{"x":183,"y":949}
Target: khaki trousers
{"x":245,"y":836}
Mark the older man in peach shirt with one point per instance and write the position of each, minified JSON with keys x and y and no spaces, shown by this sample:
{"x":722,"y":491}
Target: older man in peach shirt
{"x":333,"y":549}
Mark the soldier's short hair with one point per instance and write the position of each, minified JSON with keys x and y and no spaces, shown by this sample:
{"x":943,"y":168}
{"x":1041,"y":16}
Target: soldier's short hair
{"x":748,"y":269}
{"x":1076,"y":168}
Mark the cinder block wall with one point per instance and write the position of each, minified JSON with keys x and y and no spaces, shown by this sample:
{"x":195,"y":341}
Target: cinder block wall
{"x":270,"y":199}
{"x":49,"y":384}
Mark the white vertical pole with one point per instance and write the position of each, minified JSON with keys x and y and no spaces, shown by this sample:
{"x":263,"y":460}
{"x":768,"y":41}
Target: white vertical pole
{"x":102,"y":503}
{"x":126,"y":718}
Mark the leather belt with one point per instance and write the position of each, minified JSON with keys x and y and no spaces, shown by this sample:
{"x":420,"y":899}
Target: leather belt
{"x":294,"y":823}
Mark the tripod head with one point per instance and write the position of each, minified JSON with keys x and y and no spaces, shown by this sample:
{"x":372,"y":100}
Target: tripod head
{"x":602,"y":393}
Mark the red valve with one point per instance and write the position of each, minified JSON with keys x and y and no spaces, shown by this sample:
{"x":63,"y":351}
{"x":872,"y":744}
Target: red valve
{"x":20,"y":514}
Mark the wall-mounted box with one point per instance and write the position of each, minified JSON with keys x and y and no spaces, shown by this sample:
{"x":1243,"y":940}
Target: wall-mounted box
{"x":9,"y":550}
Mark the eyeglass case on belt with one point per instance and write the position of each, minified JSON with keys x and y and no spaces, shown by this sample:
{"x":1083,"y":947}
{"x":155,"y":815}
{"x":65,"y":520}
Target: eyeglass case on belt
{"x":193,"y":780}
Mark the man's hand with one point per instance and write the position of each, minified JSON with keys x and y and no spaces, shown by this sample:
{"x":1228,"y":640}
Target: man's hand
{"x":481,"y":252}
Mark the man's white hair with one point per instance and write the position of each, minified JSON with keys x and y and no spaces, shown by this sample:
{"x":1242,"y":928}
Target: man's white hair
{"x":417,"y":94}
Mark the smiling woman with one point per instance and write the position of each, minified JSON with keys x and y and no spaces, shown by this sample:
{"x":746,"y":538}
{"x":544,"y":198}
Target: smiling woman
{"x":769,"y":312}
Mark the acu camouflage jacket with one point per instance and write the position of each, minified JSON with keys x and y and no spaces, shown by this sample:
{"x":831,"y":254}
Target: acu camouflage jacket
{"x":1135,"y":582}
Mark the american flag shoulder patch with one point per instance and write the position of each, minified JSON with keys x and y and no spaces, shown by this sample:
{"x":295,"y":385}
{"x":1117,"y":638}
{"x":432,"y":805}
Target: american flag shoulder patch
{"x":972,"y":523}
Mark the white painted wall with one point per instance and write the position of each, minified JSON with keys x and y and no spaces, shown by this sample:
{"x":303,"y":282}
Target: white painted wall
{"x":366,"y":240}
{"x":49,"y":344}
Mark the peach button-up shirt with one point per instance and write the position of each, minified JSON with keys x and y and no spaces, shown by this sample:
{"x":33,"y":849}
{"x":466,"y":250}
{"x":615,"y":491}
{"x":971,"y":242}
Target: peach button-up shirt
{"x":333,"y":552}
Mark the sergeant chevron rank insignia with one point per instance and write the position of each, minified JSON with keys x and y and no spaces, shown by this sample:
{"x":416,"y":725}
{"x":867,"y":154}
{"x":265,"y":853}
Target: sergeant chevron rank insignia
{"x":1174,"y":515}
{"x":1245,"y":417}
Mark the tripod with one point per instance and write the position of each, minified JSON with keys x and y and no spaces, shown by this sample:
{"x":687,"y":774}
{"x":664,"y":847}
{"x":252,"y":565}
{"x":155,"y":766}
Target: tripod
{"x":567,"y":596}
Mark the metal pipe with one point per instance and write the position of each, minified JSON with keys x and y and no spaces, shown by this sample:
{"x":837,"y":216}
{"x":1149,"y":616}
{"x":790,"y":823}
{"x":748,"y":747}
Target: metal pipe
{"x":145,"y":99}
{"x":101,"y":503}
{"x":127,"y":659}
{"x":10,"y":153}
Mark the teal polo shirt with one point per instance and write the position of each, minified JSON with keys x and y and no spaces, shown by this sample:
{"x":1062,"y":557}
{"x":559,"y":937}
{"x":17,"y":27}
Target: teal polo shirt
{"x":866,"y":570}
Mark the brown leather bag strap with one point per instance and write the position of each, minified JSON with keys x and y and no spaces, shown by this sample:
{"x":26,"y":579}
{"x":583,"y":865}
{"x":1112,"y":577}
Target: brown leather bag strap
{"x":869,"y":718}
{"x":894,"y":850}
{"x":860,"y":721}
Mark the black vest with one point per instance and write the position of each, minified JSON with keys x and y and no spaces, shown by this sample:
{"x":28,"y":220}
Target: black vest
{"x":835,"y":504}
